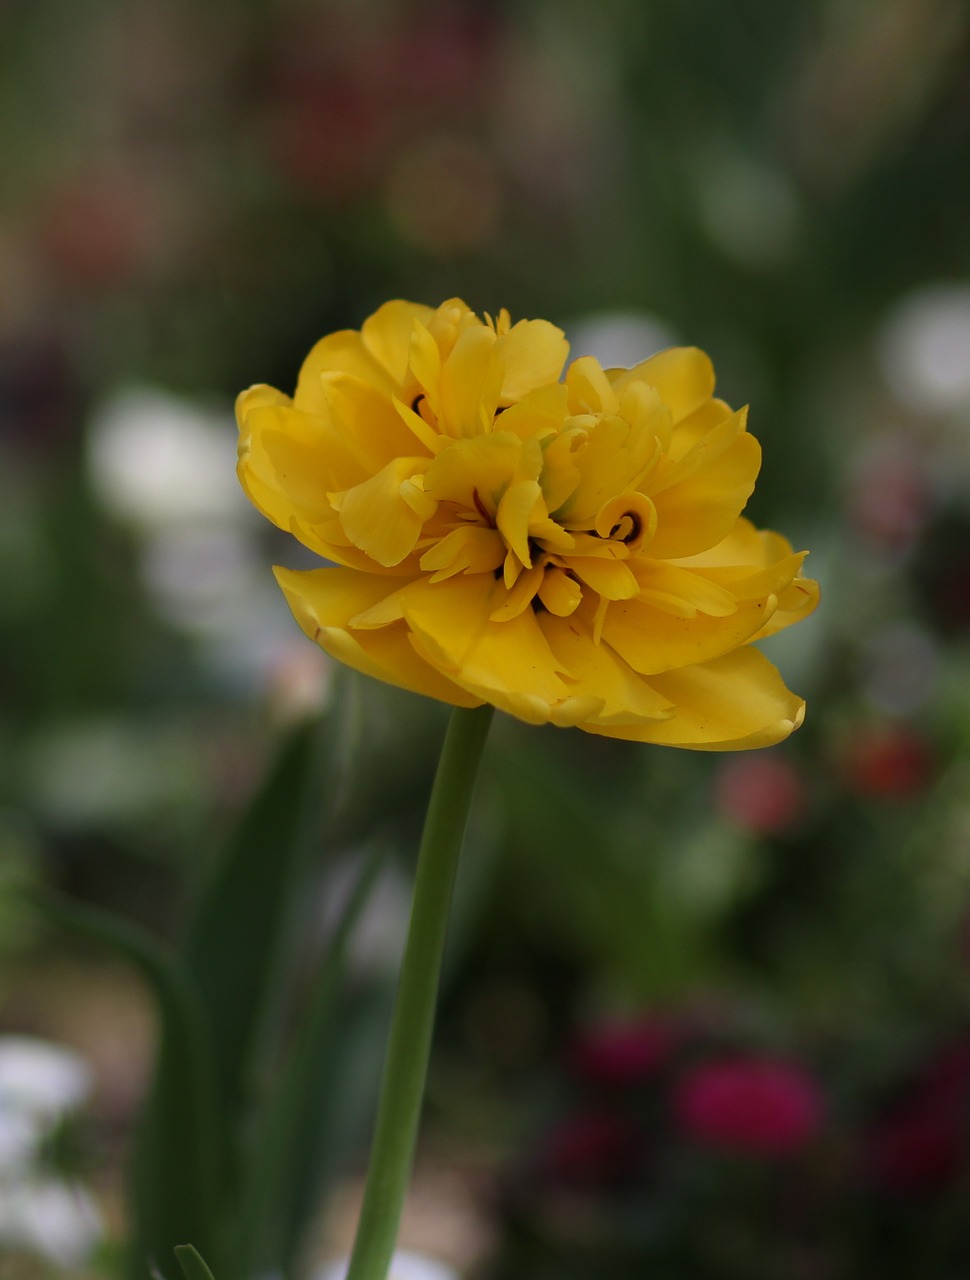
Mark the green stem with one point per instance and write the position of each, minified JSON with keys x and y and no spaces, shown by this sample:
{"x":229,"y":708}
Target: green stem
{"x":409,"y":1045}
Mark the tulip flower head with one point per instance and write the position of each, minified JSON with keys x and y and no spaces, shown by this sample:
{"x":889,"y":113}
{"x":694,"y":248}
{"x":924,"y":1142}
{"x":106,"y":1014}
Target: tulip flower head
{"x":569,"y":549}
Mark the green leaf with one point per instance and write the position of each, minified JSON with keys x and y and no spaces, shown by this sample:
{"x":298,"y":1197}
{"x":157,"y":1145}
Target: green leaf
{"x":318,"y":1105}
{"x":193,"y":1267}
{"x":234,"y":939}
{"x":174,"y":1166}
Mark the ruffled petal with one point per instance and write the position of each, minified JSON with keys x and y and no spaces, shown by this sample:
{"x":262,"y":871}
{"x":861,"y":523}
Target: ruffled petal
{"x":384,"y":515}
{"x":533,"y":353}
{"x":702,"y":509}
{"x":288,"y":462}
{"x":370,"y":428}
{"x":654,"y":640}
{"x":343,"y":352}
{"x":471,"y":381}
{"x":684,"y":377}
{"x":324,"y":600}
{"x":387,"y":335}
{"x":734,"y":703}
{"x":627,"y":698}
{"x":506,"y":663}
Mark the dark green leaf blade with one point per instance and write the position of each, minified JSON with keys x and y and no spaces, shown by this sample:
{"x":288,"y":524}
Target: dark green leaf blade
{"x":192,"y":1264}
{"x":318,"y":1104}
{"x":237,"y":943}
{"x":174,"y":1165}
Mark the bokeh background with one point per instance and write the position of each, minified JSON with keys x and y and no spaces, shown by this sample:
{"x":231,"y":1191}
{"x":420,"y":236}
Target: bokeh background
{"x":703,"y":1017}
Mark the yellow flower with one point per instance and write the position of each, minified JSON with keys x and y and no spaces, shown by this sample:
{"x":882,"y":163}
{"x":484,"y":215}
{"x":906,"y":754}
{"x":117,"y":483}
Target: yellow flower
{"x":570,"y":551}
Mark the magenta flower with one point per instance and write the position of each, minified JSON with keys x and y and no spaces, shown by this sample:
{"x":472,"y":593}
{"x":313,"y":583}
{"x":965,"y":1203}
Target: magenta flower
{"x":752,"y":1105}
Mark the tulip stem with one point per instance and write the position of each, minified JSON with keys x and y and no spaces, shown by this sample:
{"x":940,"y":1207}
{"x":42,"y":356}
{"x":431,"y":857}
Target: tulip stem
{"x":409,"y":1043}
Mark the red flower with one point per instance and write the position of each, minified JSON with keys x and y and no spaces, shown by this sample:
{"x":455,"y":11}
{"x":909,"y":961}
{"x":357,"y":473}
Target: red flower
{"x":759,"y":1106}
{"x":917,"y":1149}
{"x":888,"y":760}
{"x":591,"y":1149}
{"x":922,"y":1144}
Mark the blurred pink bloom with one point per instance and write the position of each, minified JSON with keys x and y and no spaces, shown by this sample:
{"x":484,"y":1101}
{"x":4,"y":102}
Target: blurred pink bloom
{"x":764,"y":793}
{"x":760,"y":1106}
{"x":618,"y":1053}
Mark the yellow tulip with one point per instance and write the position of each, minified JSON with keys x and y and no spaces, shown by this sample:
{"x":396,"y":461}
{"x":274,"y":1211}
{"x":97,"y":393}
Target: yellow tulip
{"x":570,"y":551}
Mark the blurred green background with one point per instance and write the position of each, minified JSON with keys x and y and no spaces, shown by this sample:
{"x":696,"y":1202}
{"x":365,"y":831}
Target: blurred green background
{"x":190,"y":195}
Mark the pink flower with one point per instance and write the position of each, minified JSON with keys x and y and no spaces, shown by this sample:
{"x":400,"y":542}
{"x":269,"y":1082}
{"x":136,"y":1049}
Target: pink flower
{"x":755,"y":1105}
{"x":620,"y":1053}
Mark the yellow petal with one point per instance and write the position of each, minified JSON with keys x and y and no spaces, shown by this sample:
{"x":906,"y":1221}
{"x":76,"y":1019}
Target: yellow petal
{"x":560,"y":473}
{"x":684,"y":377}
{"x":733,"y":703}
{"x":533,"y":353}
{"x":541,"y":413}
{"x":380,"y":519}
{"x":471,"y":380}
{"x":590,"y":391}
{"x":626,"y":697}
{"x":684,"y":593}
{"x":518,"y":595}
{"x":426,"y":366}
{"x":515,"y":510}
{"x":323,"y":600}
{"x":794,"y":603}
{"x":559,"y":592}
{"x":387,"y":335}
{"x":613,"y":579}
{"x":691,"y":430}
{"x":506,"y":663}
{"x":484,"y":466}
{"x":370,"y":428}
{"x":343,"y":352}
{"x":430,"y":438}
{"x":288,"y":463}
{"x":473,"y":549}
{"x":652,"y":640}
{"x":702,"y":510}
{"x":614,"y":458}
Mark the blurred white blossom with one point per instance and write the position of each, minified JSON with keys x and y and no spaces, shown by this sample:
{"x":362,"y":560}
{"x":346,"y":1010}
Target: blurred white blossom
{"x":924,"y":348}
{"x":40,"y":1084}
{"x":618,"y":339}
{"x":154,"y":458}
{"x":57,"y":1220}
{"x":41,"y":1080}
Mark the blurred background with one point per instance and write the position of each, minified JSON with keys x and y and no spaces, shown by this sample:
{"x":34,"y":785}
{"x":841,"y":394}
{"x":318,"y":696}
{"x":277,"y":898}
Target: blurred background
{"x":704,"y":1016}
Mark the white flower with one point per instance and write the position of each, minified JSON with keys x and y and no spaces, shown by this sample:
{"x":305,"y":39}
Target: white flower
{"x":155,"y":460}
{"x":40,"y":1079}
{"x":57,"y":1220}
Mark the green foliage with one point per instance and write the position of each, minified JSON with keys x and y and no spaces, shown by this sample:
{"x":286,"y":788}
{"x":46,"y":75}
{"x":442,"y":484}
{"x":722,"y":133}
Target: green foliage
{"x":175,"y":1166}
{"x":192,"y":1264}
